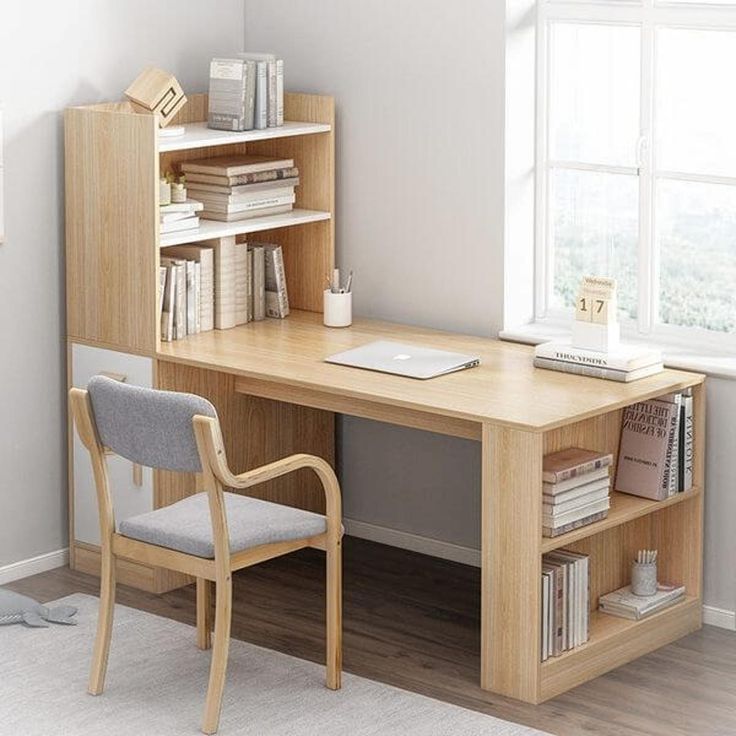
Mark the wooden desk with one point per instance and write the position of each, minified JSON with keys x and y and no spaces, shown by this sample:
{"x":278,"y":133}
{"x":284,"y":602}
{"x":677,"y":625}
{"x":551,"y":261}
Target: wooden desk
{"x":519,"y":413}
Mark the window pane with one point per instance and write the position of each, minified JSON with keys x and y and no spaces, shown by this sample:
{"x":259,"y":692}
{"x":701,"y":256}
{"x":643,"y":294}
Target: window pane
{"x":696,"y":109}
{"x":696,"y":234}
{"x":594,"y":93}
{"x":595,"y":230}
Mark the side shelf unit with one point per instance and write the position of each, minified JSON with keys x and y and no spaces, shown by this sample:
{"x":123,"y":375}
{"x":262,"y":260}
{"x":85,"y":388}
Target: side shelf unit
{"x":114,"y":157}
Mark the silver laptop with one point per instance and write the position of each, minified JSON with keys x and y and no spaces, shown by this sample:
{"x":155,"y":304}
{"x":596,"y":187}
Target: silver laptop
{"x":404,"y":360}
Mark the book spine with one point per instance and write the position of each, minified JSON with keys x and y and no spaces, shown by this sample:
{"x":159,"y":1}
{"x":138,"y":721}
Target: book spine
{"x":261,"y":101}
{"x":279,"y":92}
{"x":191,"y":298}
{"x":689,"y":447}
{"x":224,"y":281}
{"x":272,"y":95}
{"x":669,"y":467}
{"x":180,"y":316}
{"x":249,"y":285}
{"x":250,"y":95}
{"x":580,"y":369}
{"x":197,"y":297}
{"x":259,"y":284}
{"x":241,"y":286}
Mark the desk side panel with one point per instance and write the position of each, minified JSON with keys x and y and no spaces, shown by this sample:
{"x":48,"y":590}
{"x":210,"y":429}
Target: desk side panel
{"x":111,"y":170}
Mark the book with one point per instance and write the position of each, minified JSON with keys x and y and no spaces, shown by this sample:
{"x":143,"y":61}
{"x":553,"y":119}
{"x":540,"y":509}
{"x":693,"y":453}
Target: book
{"x":173,"y":216}
{"x":558,"y":508}
{"x":179,"y":286}
{"x":624,"y":603}
{"x":191,"y":298}
{"x":197,"y":297}
{"x":241,"y":287}
{"x":203,"y":256}
{"x":646,"y":431}
{"x":274,"y":83}
{"x":224,"y":281}
{"x":545,"y":614}
{"x":243,"y":179}
{"x":552,"y":522}
{"x":572,"y":462}
{"x":277,"y":298}
{"x":232,"y":94}
{"x":191,"y":206}
{"x":575,"y":487}
{"x":188,"y":223}
{"x":248,"y":214}
{"x":262,"y":201}
{"x":594,"y":371}
{"x":624,"y":358}
{"x":261,"y":101}
{"x":670,"y":481}
{"x":259,"y":282}
{"x":249,"y":285}
{"x":161,"y":290}
{"x":548,"y":531}
{"x":242,"y":191}
{"x":686,"y":443}
{"x":169,"y":305}
{"x":235,"y":165}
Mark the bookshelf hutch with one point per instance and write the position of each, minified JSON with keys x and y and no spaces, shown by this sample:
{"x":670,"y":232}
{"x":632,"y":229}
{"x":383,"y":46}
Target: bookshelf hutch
{"x":276,"y":396}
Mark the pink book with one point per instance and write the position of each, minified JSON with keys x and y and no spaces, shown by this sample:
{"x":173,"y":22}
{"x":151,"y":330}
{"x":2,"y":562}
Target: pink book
{"x":645,"y":434}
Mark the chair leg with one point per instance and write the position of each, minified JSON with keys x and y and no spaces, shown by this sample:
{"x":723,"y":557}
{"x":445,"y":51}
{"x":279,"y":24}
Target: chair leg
{"x":204,"y":613}
{"x":104,"y":623}
{"x":334,"y":615}
{"x":220,"y":648}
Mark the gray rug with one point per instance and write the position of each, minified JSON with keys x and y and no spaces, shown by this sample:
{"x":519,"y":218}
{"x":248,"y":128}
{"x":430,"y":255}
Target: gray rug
{"x":157,"y":681}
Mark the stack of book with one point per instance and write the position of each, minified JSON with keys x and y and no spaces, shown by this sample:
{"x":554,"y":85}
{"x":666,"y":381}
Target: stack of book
{"x":624,"y":603}
{"x":246,"y":92}
{"x":655,"y":457}
{"x":565,"y":601}
{"x":625,"y":363}
{"x":179,"y":216}
{"x":241,"y":187}
{"x":220,"y":284}
{"x":575,"y":488}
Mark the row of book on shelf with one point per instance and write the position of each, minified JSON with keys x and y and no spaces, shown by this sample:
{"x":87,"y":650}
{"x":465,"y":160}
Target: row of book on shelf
{"x":565,"y":600}
{"x":231,"y":189}
{"x":219,"y":284}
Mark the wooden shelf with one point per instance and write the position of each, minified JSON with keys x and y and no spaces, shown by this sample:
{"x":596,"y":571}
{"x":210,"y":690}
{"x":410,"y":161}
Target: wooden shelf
{"x":624,"y":507}
{"x":215,"y":229}
{"x":614,"y":641}
{"x":198,"y":135}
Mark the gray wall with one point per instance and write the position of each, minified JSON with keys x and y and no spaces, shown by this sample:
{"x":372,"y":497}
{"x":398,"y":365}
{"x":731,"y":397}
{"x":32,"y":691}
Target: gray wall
{"x":54,"y":54}
{"x":420,"y":141}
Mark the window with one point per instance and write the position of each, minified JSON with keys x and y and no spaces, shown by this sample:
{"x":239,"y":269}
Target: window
{"x":636,"y":162}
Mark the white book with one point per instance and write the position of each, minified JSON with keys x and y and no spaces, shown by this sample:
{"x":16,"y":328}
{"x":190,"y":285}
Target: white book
{"x":251,"y":195}
{"x":161,"y":290}
{"x":191,"y":298}
{"x":688,"y":446}
{"x":623,"y":602}
{"x":188,"y":223}
{"x":558,"y":508}
{"x":279,"y":92}
{"x":224,"y":281}
{"x":584,"y":483}
{"x":553,"y":522}
{"x":545,"y":616}
{"x":169,"y":306}
{"x":623,"y":358}
{"x":596,"y":371}
{"x":241,"y":283}
{"x":259,"y":282}
{"x":259,"y":203}
{"x":249,"y":286}
{"x":204,"y":257}
{"x":277,"y":298}
{"x":173,"y":216}
{"x":197,"y":297}
{"x":191,"y":206}
{"x":261,"y":101}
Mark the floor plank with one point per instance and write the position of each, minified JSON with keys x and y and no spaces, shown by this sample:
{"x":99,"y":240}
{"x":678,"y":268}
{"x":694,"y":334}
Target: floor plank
{"x":413,"y":621}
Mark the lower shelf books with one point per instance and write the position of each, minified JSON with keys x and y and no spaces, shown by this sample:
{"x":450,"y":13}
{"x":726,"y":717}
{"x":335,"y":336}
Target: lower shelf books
{"x":624,"y":603}
{"x":565,"y":601}
{"x":219,"y":284}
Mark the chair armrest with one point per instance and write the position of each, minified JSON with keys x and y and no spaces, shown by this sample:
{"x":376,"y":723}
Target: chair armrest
{"x":207,"y":430}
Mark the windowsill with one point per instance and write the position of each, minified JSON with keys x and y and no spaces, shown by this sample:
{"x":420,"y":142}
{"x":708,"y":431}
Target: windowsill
{"x":675,"y":356}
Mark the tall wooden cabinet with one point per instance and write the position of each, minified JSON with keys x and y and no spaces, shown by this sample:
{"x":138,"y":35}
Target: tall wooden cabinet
{"x":114,"y":157}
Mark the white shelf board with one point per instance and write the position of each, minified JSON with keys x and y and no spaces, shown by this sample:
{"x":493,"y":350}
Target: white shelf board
{"x":198,"y":135}
{"x":209,"y":229}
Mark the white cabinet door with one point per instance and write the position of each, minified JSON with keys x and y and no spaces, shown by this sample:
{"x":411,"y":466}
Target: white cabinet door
{"x":129,"y":498}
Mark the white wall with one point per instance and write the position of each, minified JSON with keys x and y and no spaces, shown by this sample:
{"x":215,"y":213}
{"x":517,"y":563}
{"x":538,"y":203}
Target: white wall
{"x":54,"y":54}
{"x":420,"y":148}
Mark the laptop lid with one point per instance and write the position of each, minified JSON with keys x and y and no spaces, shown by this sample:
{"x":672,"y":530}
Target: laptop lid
{"x":412,"y":361}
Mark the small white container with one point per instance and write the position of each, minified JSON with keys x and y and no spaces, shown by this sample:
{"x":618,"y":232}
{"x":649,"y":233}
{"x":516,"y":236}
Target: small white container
{"x":600,"y":337}
{"x":338,"y":309}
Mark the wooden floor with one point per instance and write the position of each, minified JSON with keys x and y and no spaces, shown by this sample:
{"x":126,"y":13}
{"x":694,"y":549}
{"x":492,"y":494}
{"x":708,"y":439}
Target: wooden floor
{"x":413,"y":621}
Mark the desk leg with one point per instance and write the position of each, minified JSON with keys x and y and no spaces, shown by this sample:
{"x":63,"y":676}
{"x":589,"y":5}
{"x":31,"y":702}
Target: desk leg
{"x":511,"y":529}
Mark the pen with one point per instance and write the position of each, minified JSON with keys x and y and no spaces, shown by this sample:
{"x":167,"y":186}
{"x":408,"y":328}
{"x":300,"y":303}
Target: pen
{"x":349,"y":284}
{"x":335,"y":285}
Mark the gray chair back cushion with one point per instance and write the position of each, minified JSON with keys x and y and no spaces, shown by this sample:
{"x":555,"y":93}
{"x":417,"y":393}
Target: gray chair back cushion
{"x":148,"y":427}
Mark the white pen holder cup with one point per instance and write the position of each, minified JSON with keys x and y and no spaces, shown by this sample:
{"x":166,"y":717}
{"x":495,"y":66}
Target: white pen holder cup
{"x":643,"y":578}
{"x":338,"y":309}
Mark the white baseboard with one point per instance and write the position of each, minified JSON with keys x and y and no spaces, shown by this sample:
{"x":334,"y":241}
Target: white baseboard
{"x":412,"y":542}
{"x":712,"y":616}
{"x":34,"y":565}
{"x":719,"y":617}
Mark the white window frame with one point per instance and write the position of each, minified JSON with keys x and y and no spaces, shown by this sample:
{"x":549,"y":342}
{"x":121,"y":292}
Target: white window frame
{"x":647,"y":15}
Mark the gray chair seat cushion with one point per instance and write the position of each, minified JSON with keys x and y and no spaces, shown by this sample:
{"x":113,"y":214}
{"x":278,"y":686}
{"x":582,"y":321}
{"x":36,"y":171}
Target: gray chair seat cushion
{"x":185,"y":525}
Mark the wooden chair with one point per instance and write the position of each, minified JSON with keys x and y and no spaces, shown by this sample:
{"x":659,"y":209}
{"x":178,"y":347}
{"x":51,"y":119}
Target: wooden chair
{"x":181,"y":432}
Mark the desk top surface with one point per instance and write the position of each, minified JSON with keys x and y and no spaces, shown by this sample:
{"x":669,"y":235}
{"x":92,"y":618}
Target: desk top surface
{"x":505,"y":389}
